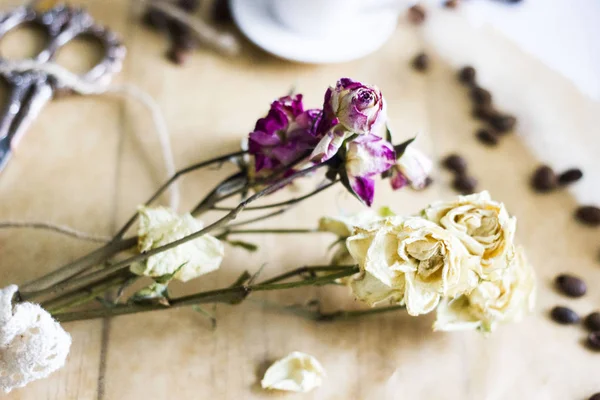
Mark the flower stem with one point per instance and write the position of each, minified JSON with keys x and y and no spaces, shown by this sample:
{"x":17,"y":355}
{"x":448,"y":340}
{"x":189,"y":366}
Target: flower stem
{"x":81,"y":282}
{"x":33,"y":288}
{"x":283,"y":231}
{"x":168,"y":183}
{"x":228,"y":295}
{"x":85,"y":295}
{"x":283,"y":203}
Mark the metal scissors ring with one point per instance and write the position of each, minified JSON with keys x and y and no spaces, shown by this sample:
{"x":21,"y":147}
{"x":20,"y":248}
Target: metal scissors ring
{"x":32,"y":89}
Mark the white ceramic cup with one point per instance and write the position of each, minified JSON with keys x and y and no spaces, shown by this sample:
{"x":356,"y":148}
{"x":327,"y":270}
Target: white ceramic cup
{"x":322,"y":17}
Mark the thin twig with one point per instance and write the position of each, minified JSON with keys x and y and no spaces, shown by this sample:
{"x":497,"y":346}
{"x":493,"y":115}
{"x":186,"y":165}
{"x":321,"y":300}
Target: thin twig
{"x":62,"y":229}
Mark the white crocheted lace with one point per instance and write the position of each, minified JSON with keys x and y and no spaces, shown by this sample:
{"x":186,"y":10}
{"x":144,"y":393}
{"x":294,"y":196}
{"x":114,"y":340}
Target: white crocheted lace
{"x":32,"y":344}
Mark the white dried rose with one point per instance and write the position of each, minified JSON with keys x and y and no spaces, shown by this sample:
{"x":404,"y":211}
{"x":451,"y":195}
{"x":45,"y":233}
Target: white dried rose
{"x":160,"y":226}
{"x":414,"y":260}
{"x":491,"y":303}
{"x":343,"y":225}
{"x":32,"y":344}
{"x":483,"y":225}
{"x":296,"y":372}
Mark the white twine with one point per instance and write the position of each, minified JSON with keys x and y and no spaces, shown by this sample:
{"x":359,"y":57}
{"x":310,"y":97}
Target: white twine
{"x":69,"y":80}
{"x":32,"y":344}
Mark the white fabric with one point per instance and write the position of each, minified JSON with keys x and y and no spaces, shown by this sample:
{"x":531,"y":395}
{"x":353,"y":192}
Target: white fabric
{"x":32,"y":344}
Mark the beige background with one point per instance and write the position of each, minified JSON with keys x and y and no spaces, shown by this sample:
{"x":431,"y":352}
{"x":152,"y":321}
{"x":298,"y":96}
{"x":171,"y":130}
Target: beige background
{"x":87,"y":162}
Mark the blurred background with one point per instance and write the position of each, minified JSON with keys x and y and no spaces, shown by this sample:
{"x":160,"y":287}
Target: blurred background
{"x":213,"y":67}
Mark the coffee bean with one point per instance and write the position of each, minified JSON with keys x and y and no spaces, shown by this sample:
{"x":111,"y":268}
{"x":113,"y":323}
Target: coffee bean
{"x":417,"y":14}
{"x":564,"y":315}
{"x":570,"y":176}
{"x":189,"y":5}
{"x":570,"y":285}
{"x":451,"y":3}
{"x":503,"y":123}
{"x":593,"y":341}
{"x":467,"y":75}
{"x":455,"y":163}
{"x":421,"y":62}
{"x":155,"y":19}
{"x":481,"y":96}
{"x":595,"y":397}
{"x":177,"y":55}
{"x":464,"y":184}
{"x":221,"y":11}
{"x":428,"y":182}
{"x":592,"y":321}
{"x":543,"y":179}
{"x":484,"y":112}
{"x":588,"y":215}
{"x":487,"y":136}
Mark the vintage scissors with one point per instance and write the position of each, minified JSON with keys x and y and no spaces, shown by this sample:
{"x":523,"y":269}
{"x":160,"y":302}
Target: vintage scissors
{"x":32,"y":89}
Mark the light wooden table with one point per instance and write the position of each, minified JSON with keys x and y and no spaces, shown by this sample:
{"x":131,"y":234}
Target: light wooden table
{"x":87,"y":163}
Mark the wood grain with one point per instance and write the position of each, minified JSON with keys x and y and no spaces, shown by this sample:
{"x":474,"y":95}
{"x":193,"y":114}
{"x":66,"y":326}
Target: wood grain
{"x":87,"y":162}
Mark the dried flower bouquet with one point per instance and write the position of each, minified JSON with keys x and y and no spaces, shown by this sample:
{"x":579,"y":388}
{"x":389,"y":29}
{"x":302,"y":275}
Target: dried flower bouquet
{"x":457,"y":257}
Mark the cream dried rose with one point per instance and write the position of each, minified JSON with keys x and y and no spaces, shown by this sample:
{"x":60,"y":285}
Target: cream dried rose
{"x":159,"y":226}
{"x":411,"y":261}
{"x":483,"y":225}
{"x":491,"y":303}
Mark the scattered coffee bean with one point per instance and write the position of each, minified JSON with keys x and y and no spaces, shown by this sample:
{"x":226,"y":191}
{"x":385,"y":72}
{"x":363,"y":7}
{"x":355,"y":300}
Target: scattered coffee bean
{"x":416,"y":14}
{"x":455,"y":163}
{"x":481,"y":96}
{"x":177,"y":55}
{"x":564,"y":315}
{"x":421,"y":62}
{"x":595,"y":397}
{"x":592,"y":321}
{"x":464,"y":184}
{"x":155,"y":19}
{"x":570,"y":176}
{"x":503,"y":123}
{"x":221,"y":11}
{"x":484,"y":111}
{"x":451,"y":3}
{"x":588,"y":215}
{"x":593,"y":341}
{"x":467,"y":75}
{"x":428,"y":182}
{"x":189,"y":5}
{"x":543,"y":179}
{"x":487,"y":136}
{"x":570,"y":285}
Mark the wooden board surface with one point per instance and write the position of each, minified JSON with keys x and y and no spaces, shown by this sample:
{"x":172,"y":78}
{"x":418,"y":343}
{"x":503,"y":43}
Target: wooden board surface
{"x":88,"y":162}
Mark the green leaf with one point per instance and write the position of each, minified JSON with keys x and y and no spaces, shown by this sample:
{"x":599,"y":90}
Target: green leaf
{"x":155,"y":293}
{"x":388,"y":134}
{"x":386,"y":212}
{"x":251,"y":247}
{"x":200,"y":310}
{"x":401,"y":148}
{"x":166,"y":278}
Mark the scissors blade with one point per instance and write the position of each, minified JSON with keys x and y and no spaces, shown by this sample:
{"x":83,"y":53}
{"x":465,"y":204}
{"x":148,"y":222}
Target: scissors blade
{"x":25,"y":104}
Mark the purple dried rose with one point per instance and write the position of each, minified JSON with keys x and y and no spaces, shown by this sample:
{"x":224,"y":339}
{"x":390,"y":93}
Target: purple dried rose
{"x":359,"y":108}
{"x":280,"y":138}
{"x":412,"y":168}
{"x":366,"y":157}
